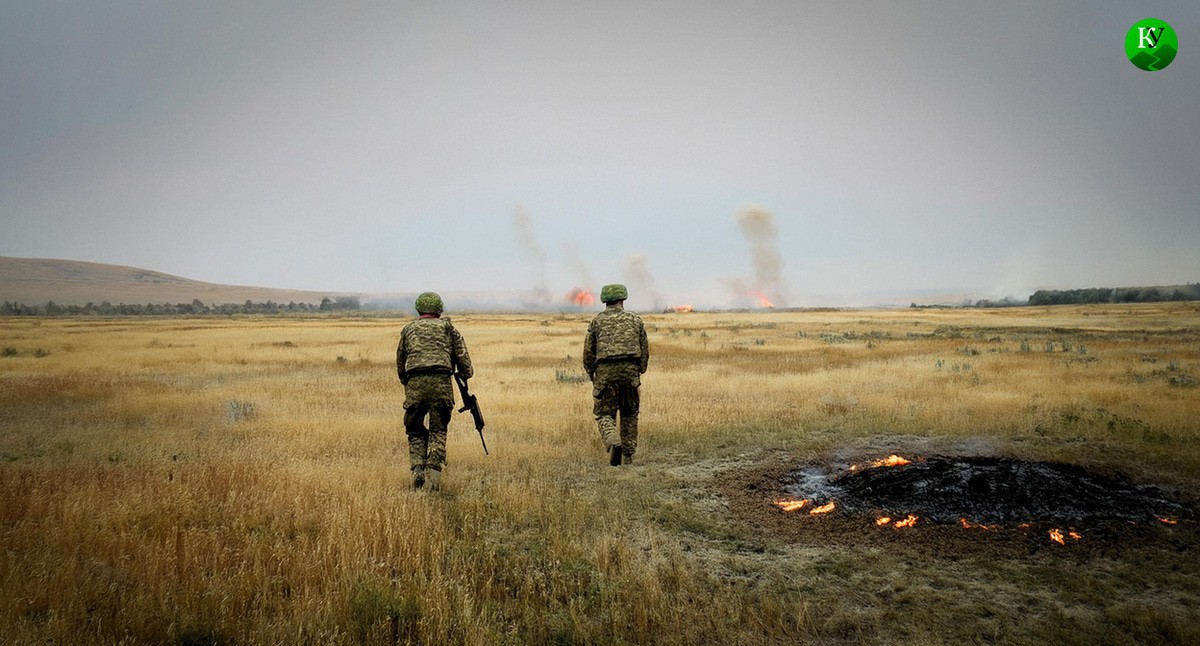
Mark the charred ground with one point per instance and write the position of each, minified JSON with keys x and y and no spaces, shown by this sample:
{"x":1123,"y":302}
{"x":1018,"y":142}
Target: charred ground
{"x":960,"y":504}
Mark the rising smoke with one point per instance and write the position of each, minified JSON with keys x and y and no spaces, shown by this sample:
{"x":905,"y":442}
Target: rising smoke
{"x":758,"y":226}
{"x":528,"y":244}
{"x":641,"y":281}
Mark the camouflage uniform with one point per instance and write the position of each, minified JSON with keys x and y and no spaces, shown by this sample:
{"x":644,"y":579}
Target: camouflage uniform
{"x":615,"y":354}
{"x":430,"y":350}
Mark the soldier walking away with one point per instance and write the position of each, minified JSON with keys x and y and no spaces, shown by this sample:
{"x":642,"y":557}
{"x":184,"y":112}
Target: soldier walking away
{"x":430,"y":351}
{"x":615,"y":354}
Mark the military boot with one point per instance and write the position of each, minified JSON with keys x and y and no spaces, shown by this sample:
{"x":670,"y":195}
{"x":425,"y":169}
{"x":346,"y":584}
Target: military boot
{"x":434,"y":479}
{"x":626,"y":458}
{"x":418,"y":477}
{"x":614,"y":455}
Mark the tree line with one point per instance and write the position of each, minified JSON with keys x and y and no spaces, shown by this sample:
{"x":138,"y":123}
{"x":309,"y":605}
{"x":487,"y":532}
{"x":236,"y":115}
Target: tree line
{"x":1115,"y":295}
{"x":195,"y":308}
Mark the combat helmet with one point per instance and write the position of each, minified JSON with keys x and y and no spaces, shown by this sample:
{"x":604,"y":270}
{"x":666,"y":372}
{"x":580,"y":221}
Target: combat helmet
{"x":429,"y":303}
{"x":613,"y":293}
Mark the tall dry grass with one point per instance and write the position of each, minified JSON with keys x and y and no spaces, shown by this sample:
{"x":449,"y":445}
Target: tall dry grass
{"x":245,"y":480}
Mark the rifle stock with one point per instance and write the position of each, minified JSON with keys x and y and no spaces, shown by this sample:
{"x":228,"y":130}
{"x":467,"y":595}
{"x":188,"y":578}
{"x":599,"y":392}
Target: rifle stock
{"x":472,"y":404}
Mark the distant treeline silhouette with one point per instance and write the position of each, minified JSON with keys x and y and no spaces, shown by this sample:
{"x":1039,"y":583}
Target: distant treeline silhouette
{"x":1189,"y":292}
{"x":195,"y":308}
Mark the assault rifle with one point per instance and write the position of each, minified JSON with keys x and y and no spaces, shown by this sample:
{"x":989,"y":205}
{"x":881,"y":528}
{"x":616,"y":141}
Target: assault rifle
{"x":472,"y":404}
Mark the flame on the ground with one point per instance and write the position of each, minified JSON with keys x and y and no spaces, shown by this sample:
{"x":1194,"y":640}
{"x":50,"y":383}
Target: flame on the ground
{"x":682,"y":308}
{"x":969,"y":525}
{"x":791,"y":505}
{"x":1168,"y":521}
{"x":892,"y":460}
{"x":883,"y":520}
{"x":823,"y":509}
{"x":581,"y":297}
{"x":763,"y":301}
{"x":1057,"y":536}
{"x":907,"y":522}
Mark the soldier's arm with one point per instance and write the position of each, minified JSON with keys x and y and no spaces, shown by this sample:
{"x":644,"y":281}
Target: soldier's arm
{"x":644,"y":359}
{"x":589,"y":350}
{"x":401,"y":357}
{"x":462,"y":359}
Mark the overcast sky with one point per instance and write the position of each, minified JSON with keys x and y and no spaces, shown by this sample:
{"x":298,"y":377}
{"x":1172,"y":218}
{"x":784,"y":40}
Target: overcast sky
{"x":399,"y":146}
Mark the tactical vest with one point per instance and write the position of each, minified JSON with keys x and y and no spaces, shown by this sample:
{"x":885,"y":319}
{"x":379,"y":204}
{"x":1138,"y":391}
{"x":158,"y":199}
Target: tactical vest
{"x":428,"y":342}
{"x":618,"y":335}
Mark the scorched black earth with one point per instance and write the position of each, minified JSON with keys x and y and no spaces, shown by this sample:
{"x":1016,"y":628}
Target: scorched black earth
{"x":986,"y":490}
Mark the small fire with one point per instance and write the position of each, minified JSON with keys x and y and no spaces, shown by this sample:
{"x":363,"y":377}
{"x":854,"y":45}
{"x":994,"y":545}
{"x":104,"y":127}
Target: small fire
{"x":763,"y":301}
{"x":1056,"y":535}
{"x":883,"y":520}
{"x":791,"y":505}
{"x":682,"y":308}
{"x":823,"y":509}
{"x":1168,"y":521}
{"x":1074,"y":534}
{"x":892,"y":460}
{"x":581,"y":297}
{"x":907,"y":522}
{"x":969,"y":525}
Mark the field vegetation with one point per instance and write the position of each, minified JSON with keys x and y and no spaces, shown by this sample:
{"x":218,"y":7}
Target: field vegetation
{"x":245,"y":480}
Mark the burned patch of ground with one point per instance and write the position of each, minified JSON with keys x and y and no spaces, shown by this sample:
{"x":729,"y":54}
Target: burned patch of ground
{"x":955,"y":505}
{"x":992,"y":490}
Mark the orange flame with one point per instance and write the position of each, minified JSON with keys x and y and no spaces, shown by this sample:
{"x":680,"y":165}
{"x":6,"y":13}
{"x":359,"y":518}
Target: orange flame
{"x":1056,"y":535}
{"x":1168,"y":521}
{"x":892,"y":460}
{"x":969,"y":525}
{"x":763,"y":301}
{"x":1074,"y":534}
{"x":791,"y":505}
{"x":907,"y":522}
{"x":823,"y":509}
{"x":883,"y":520}
{"x":682,"y":308}
{"x":581,"y":297}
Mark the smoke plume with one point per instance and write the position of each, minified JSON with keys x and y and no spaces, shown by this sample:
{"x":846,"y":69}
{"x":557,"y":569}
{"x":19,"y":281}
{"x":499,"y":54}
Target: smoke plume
{"x":641,"y":281}
{"x":528,"y":244}
{"x":758,"y":226}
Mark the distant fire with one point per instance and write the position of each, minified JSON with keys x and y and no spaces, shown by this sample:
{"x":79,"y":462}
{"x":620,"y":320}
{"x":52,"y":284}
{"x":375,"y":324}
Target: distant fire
{"x":907,"y":522}
{"x":581,"y":297}
{"x":682,"y":308}
{"x":883,"y":520}
{"x":1167,"y":521}
{"x":969,"y":525}
{"x":763,"y":301}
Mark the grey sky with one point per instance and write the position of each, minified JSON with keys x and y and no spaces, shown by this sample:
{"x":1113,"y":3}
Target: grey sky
{"x":385,"y":147}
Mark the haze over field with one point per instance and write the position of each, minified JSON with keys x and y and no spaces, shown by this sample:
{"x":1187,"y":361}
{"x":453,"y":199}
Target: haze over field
{"x":540,"y":148}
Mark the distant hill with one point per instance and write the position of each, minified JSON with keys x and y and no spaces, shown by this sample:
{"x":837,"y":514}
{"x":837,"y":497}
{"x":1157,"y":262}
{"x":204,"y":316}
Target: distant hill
{"x":35,"y":281}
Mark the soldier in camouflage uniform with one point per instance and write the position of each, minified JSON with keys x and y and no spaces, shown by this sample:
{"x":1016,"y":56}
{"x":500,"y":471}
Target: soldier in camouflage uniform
{"x":430,"y":351}
{"x":615,"y":354}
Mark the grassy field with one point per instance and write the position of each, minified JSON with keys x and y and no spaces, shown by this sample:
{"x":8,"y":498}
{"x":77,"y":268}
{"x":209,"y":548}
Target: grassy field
{"x":207,"y":481}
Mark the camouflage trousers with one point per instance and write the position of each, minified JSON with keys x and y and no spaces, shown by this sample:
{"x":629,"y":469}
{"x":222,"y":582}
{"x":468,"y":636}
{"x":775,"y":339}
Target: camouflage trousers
{"x":427,"y":396}
{"x":615,"y":390}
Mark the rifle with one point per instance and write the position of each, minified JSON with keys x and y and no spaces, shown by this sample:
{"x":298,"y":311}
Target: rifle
{"x":472,"y":404}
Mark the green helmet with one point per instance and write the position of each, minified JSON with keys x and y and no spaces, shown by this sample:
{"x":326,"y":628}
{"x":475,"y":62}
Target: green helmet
{"x":429,"y":303}
{"x":613,"y":293}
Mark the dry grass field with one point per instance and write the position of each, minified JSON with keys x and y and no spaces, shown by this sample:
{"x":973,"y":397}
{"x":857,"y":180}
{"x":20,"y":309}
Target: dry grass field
{"x":245,"y":481}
